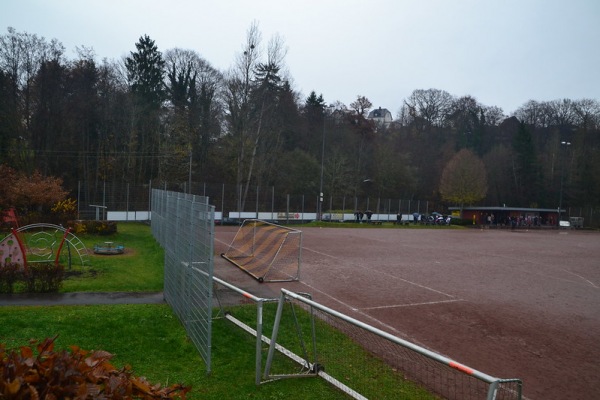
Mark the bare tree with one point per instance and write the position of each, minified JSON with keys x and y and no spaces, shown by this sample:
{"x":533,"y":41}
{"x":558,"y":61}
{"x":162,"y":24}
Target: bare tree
{"x":588,"y":113}
{"x":493,"y":115}
{"x":237,"y":92}
{"x":535,"y":114}
{"x":431,"y":106}
{"x":562,"y":112}
{"x":21,"y":56}
{"x":192,"y":86}
{"x":251,"y":98}
{"x":467,"y":118}
{"x":361,"y":106}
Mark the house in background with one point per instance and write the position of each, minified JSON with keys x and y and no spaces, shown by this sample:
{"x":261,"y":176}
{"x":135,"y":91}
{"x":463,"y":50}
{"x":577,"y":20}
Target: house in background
{"x":381,"y":116}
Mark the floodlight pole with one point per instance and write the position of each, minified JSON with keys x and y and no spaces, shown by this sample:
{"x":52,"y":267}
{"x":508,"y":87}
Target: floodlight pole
{"x":320,"y":205}
{"x":562,"y":175}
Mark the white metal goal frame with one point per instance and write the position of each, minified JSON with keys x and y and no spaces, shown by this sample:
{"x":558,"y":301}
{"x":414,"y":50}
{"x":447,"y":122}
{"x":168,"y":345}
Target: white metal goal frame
{"x":483,"y":386}
{"x":266,"y":251}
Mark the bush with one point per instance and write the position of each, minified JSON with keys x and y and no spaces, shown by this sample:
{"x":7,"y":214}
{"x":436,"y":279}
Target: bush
{"x":44,"y":277}
{"x":10,"y":273}
{"x":36,"y":278}
{"x":93,"y":227}
{"x":73,"y":374}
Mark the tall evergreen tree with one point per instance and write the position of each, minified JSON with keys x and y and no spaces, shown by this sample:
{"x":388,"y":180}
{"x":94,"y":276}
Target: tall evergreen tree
{"x":312,"y":113}
{"x":145,"y":71}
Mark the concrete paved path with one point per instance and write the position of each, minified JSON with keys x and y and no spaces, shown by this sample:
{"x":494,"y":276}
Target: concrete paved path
{"x":80,"y":298}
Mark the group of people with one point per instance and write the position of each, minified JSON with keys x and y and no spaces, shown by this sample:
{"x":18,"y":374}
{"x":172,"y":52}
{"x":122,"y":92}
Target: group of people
{"x":434,"y":219}
{"x":360,"y":215}
{"x":521,"y":221}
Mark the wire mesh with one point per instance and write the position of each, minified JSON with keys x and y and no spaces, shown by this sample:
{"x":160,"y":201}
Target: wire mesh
{"x":184,"y":226}
{"x":267,"y":251}
{"x":375,"y":366}
{"x":231,"y":200}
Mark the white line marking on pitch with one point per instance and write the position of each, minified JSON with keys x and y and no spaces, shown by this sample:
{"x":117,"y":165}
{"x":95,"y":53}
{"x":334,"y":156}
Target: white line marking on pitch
{"x":577,"y":275}
{"x":320,"y":253}
{"x":411,"y":304}
{"x":387,"y":274}
{"x":416,"y":284}
{"x":359,"y":311}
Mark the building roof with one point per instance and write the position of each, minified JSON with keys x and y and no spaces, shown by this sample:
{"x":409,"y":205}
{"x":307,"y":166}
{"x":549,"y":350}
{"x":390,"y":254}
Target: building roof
{"x":524,"y":209}
{"x":380,"y":113}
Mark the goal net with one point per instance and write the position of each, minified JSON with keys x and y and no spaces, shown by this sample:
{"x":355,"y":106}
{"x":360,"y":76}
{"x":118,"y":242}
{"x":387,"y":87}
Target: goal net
{"x":268,"y":252}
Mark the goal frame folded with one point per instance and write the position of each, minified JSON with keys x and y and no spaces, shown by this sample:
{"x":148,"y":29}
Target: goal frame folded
{"x":266,"y":251}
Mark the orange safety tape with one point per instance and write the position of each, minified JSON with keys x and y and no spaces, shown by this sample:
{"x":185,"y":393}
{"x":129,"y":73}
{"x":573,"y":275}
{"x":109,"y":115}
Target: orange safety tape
{"x":461,"y":367}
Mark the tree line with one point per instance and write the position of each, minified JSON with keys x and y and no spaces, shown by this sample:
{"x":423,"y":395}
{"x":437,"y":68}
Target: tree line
{"x":170,"y":116}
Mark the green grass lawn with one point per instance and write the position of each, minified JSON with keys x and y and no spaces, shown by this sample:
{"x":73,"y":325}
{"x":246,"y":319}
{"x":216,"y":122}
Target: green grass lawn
{"x":139,"y":269}
{"x":152,"y":341}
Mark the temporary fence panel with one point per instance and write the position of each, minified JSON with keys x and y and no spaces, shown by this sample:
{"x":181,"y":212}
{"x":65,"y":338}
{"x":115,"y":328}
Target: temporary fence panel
{"x":183,"y":225}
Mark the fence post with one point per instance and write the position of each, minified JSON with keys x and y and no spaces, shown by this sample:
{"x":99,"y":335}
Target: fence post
{"x":104,"y":200}
{"x":78,"y":199}
{"x":287,"y":208}
{"x":149,"y":199}
{"x":259,"y":329}
{"x":257,"y":189}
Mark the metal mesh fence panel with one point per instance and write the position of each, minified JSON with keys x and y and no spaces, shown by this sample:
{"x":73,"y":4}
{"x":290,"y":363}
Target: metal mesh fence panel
{"x":364,"y":365}
{"x":183,"y":224}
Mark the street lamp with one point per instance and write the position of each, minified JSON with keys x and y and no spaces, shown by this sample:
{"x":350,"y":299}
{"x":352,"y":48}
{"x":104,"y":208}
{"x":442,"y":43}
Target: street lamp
{"x":320,"y":206}
{"x":562,"y":174}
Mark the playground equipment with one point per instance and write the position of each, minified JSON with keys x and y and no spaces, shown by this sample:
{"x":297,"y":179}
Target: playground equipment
{"x":108,"y":248}
{"x":41,"y":243}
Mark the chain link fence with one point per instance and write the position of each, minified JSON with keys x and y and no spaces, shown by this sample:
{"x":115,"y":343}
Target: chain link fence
{"x":234,"y":202}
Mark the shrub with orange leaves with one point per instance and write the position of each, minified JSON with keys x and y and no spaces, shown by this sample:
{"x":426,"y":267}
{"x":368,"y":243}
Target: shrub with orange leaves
{"x":74,"y":374}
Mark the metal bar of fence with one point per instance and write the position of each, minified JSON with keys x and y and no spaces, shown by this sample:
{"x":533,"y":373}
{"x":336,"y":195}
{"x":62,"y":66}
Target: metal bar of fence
{"x":259,"y":321}
{"x":316,"y":371}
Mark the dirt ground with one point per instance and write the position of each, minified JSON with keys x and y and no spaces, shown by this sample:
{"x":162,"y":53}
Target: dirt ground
{"x":513,"y":304}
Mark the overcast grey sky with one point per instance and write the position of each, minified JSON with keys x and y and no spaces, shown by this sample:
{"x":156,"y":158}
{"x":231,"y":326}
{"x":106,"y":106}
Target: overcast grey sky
{"x":502,"y":52}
